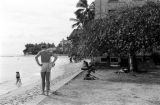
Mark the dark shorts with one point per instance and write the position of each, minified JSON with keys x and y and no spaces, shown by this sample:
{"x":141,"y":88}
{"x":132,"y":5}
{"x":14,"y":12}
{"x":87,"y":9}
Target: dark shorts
{"x":18,"y":77}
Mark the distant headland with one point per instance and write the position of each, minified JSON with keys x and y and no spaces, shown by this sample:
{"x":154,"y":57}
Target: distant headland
{"x":32,"y":49}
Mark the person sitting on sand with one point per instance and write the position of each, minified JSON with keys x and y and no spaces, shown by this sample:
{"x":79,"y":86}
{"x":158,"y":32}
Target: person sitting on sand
{"x":46,"y":66}
{"x":85,"y":65}
{"x":90,"y":69}
{"x":18,"y":82}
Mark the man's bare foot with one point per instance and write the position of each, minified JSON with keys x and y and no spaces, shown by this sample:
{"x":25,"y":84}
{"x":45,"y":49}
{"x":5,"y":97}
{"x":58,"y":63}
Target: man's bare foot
{"x":42,"y":93}
{"x":47,"y":93}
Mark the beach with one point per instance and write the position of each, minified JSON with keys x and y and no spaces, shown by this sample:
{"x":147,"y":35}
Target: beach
{"x":109,"y":89}
{"x":31,"y":79}
{"x":28,"y":68}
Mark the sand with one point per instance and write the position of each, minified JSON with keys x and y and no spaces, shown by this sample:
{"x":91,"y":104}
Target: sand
{"x":109,"y":89}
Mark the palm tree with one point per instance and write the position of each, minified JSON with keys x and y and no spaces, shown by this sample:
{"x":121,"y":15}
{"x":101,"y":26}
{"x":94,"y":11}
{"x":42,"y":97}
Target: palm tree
{"x":84,"y":13}
{"x":77,"y":24}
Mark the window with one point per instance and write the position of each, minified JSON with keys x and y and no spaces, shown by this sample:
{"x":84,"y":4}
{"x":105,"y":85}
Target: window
{"x":137,"y":0}
{"x":113,"y":1}
{"x":104,"y":59}
{"x":113,"y":59}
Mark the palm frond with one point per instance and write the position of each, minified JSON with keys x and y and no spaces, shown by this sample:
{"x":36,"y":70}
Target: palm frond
{"x":82,"y":4}
{"x":79,"y":14}
{"x":79,"y":11}
{"x":78,"y":24}
{"x":92,"y":6}
{"x":73,"y":19}
{"x":83,"y":14}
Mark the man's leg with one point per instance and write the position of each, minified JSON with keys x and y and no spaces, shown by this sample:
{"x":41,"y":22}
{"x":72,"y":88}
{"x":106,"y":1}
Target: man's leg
{"x":43,"y":74}
{"x":16,"y":81}
{"x":48,"y":82}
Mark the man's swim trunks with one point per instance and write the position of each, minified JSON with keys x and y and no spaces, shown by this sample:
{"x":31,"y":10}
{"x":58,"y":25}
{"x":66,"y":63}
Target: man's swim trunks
{"x":46,"y":67}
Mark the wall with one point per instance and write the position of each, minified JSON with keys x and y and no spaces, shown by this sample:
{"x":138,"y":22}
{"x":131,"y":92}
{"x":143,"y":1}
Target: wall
{"x":104,"y":6}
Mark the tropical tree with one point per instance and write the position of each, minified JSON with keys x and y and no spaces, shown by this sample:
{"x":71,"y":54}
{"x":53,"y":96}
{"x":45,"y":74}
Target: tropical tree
{"x":126,"y":32}
{"x":84,"y":13}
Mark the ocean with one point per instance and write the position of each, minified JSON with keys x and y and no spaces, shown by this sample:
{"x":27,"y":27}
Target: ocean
{"x":28,"y":68}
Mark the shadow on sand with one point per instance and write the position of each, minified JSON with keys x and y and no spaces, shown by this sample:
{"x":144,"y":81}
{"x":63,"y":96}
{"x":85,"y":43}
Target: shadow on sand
{"x":151,"y":77}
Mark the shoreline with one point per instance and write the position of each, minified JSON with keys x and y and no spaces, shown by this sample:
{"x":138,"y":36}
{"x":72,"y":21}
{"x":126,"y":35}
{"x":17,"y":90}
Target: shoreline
{"x":19,"y":95}
{"x":28,"y":55}
{"x":29,"y":92}
{"x":19,"y":89}
{"x":29,"y":70}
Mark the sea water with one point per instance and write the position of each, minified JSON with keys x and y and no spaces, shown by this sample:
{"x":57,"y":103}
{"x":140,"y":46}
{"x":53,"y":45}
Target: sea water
{"x":28,"y":68}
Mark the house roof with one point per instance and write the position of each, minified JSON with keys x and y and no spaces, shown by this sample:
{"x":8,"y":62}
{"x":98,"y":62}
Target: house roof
{"x":76,"y":32}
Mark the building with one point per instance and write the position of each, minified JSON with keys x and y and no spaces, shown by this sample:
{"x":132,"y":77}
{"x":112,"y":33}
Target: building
{"x":64,"y":46}
{"x":103,"y":7}
{"x":64,"y":42}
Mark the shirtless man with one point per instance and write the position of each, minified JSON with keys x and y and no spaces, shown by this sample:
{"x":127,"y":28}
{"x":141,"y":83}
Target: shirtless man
{"x":46,"y":65}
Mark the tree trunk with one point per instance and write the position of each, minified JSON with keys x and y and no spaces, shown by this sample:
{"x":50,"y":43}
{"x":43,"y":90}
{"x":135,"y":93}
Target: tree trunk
{"x":135,"y":67}
{"x":132,"y":63}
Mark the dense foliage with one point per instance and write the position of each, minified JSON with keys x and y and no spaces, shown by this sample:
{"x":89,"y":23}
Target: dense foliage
{"x":125,"y":32}
{"x":63,"y":49}
{"x":128,"y":31}
{"x":35,"y":48}
{"x":84,"y":14}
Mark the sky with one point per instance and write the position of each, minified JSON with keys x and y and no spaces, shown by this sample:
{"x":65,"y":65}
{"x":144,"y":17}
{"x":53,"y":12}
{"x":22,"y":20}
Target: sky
{"x":34,"y":21}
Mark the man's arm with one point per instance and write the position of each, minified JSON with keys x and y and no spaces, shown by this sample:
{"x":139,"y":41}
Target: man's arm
{"x":55,"y":58}
{"x":37,"y":59}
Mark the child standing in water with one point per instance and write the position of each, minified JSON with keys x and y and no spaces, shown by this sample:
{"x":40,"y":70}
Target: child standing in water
{"x":18,"y":82}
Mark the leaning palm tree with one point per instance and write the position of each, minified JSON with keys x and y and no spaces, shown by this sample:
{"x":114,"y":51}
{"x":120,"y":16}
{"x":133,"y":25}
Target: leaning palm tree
{"x":84,"y":13}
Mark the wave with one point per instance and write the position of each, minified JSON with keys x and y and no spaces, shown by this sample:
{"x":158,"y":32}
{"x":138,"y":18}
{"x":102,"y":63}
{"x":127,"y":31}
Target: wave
{"x":11,"y":55}
{"x":3,"y":82}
